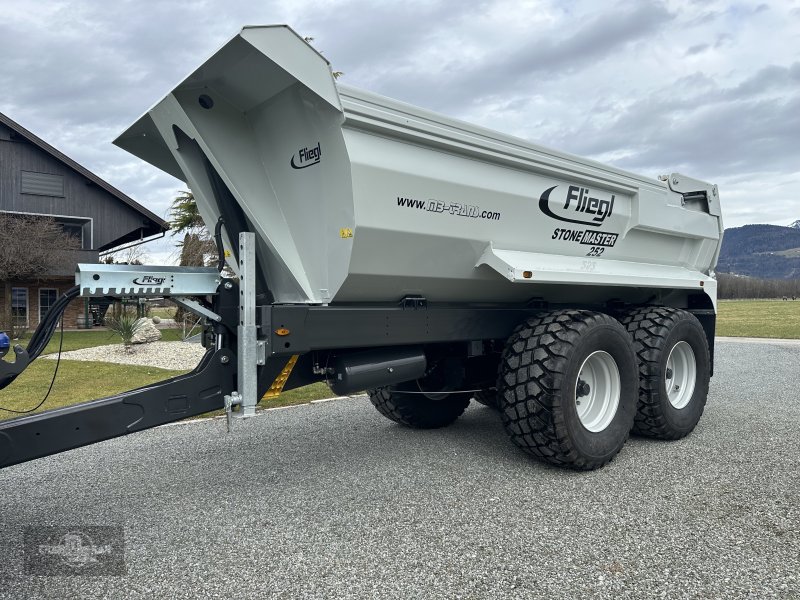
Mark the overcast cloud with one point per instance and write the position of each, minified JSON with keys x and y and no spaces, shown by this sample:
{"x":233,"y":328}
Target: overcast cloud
{"x":710,"y":89}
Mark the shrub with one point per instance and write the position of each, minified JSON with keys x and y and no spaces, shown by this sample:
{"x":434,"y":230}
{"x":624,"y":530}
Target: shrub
{"x":125,"y":325}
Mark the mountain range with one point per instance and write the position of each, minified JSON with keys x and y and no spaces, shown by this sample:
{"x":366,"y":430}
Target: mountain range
{"x":764,"y":251}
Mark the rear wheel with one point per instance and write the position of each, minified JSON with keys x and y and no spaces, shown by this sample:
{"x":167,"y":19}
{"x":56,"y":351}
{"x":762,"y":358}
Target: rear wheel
{"x":568,"y":385}
{"x":674,"y":370}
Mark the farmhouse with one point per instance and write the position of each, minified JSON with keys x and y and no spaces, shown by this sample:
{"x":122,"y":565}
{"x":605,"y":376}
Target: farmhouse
{"x":38,"y":180}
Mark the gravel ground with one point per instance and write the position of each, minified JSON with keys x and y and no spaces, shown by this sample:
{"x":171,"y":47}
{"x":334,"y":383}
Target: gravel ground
{"x":330,"y":500}
{"x":179,"y":356}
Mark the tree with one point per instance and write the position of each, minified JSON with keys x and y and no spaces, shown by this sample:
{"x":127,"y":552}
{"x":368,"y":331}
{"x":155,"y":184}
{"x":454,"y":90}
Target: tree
{"x":184,"y":214}
{"x":133,"y":255}
{"x":186,"y":219}
{"x":33,"y":248}
{"x":197,"y":243}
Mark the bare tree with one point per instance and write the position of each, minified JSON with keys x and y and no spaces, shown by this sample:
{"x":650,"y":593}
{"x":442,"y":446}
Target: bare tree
{"x":133,"y":255}
{"x":33,"y":248}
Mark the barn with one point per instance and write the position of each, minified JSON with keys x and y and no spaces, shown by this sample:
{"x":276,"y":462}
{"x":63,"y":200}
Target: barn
{"x":36,"y":180}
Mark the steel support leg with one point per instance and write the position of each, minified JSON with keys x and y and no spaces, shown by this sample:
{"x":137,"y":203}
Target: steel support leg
{"x":247,"y":383}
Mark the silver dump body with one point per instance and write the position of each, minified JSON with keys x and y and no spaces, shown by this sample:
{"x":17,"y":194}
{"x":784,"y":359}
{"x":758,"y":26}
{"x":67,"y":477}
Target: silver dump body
{"x":355,"y":197}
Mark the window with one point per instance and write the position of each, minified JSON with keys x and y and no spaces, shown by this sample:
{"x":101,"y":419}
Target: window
{"x":73,"y":230}
{"x":41,"y":184}
{"x":19,"y":306}
{"x":78,"y":228}
{"x":47,"y":297}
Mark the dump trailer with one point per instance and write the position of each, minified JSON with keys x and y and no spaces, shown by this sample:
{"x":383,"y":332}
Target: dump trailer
{"x":377,"y":246}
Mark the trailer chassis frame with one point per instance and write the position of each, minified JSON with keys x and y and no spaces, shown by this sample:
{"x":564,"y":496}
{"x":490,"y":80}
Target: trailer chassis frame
{"x":280,"y":344}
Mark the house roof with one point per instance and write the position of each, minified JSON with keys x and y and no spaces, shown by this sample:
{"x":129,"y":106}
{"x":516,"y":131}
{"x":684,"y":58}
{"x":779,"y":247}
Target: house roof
{"x":159,"y":225}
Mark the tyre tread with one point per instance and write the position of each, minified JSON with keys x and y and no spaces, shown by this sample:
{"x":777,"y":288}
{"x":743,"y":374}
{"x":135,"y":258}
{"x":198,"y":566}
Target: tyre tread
{"x":530,"y":400}
{"x":405,"y":409}
{"x":649,"y":327}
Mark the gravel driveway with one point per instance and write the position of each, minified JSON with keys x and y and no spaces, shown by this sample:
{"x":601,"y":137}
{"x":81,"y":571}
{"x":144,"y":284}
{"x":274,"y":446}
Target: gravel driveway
{"x":330,"y":500}
{"x":179,"y":356}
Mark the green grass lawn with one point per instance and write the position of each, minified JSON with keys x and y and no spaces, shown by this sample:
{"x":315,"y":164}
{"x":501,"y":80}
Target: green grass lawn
{"x":79,"y":381}
{"x":165,"y":312}
{"x":759,"y":318}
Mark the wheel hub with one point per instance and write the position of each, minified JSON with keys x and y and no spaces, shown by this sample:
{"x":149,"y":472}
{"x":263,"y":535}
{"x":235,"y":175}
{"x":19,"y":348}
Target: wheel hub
{"x":597,"y":391}
{"x":680,"y":375}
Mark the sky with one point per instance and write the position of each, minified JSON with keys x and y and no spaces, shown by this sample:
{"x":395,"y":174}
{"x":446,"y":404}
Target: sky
{"x":710,"y":89}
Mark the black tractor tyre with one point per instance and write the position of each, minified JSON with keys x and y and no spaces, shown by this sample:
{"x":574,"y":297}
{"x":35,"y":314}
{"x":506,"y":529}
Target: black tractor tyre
{"x":487,"y":397}
{"x":540,"y":387}
{"x":416,"y":409}
{"x":656,"y":332}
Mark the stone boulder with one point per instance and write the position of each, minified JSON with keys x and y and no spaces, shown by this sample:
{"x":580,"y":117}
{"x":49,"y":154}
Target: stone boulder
{"x":147,"y":332}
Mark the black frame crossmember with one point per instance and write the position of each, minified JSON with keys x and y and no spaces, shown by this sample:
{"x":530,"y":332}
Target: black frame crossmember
{"x":296,"y":329}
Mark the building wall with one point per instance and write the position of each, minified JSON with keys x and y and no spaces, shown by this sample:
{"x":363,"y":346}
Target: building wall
{"x":108,"y":219}
{"x":73,"y":311}
{"x":111,"y":219}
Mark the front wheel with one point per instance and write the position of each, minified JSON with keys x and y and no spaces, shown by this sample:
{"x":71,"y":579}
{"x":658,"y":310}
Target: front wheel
{"x":426,"y":403}
{"x":674,"y":370}
{"x":487,"y":397}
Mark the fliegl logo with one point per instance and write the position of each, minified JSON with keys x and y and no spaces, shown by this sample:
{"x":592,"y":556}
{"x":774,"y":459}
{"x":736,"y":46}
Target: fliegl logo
{"x":149,"y":280}
{"x":306,"y":157}
{"x":580,"y":205}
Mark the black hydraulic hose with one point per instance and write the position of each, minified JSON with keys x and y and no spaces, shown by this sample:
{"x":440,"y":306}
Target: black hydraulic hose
{"x":220,"y":247}
{"x":44,"y":332}
{"x":38,"y":342}
{"x":41,"y":336}
{"x":49,"y":389}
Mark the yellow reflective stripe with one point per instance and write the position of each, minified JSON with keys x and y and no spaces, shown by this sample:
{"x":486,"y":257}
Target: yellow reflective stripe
{"x":277,"y":386}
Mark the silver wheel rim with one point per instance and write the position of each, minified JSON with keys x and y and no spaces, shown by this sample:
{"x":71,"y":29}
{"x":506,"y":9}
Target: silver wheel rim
{"x":597,"y":391}
{"x":681,"y":375}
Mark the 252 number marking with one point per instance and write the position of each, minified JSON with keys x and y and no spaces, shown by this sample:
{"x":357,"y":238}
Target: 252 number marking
{"x":595,"y":251}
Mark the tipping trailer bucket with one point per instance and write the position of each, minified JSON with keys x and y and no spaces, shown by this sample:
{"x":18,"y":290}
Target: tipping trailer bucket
{"x":359,"y":198}
{"x":383,"y":246}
